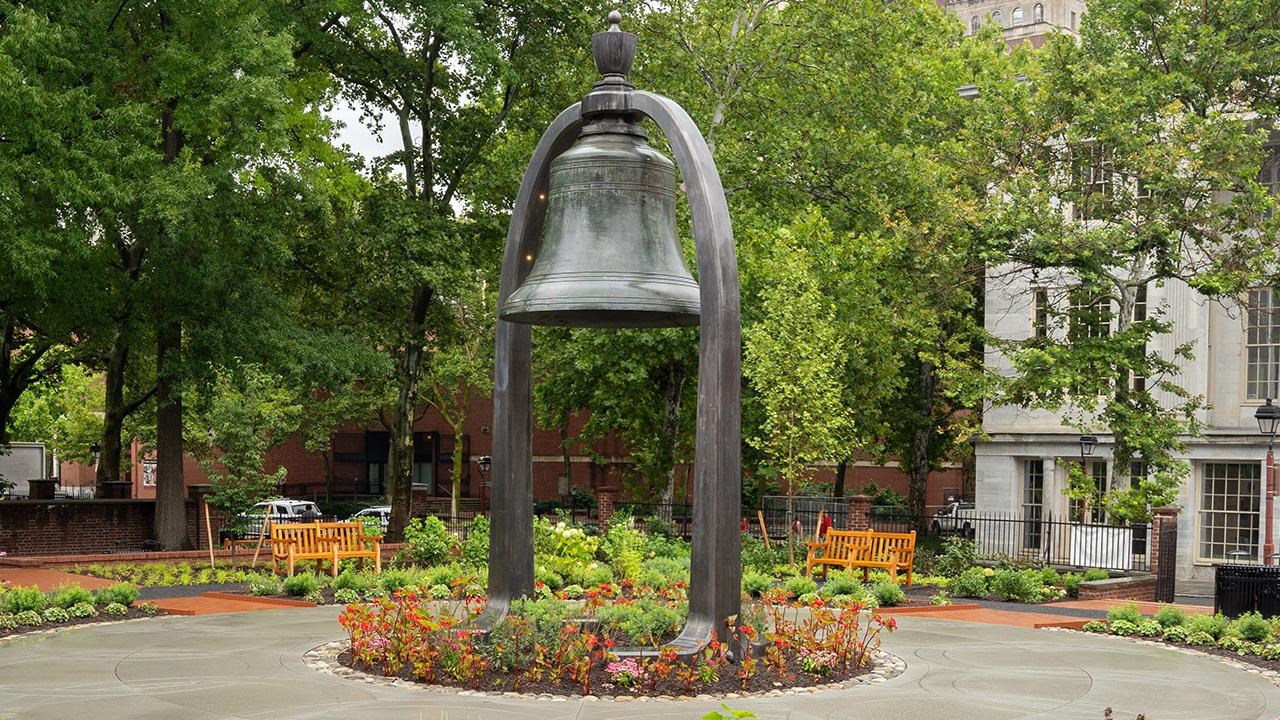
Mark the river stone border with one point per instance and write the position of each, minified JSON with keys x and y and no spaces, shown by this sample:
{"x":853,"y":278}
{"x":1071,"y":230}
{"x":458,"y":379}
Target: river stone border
{"x":324,"y":658}
{"x":55,"y":628}
{"x":1269,"y":675}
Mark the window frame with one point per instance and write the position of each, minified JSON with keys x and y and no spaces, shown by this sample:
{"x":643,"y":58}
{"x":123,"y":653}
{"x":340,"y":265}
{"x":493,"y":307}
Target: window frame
{"x":1201,"y":474}
{"x":1032,"y":513}
{"x":1016,"y":16}
{"x":1253,"y":310}
{"x":1037,"y":13}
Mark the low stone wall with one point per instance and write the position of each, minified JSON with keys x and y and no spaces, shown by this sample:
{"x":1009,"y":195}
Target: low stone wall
{"x":1134,"y":587}
{"x":52,"y":527}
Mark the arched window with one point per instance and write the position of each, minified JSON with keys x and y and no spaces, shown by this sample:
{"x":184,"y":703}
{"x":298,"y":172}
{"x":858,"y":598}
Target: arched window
{"x":995,"y":18}
{"x":974,"y":23}
{"x":1037,"y":13}
{"x":1017,"y":15}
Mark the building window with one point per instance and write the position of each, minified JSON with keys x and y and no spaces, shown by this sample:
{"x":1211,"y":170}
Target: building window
{"x":1073,"y":21}
{"x":974,"y":24}
{"x":1037,"y":13}
{"x":1095,"y":179}
{"x":1140,"y":314}
{"x":996,"y":18}
{"x":1096,"y":514}
{"x":1032,"y":503}
{"x":1269,"y":177}
{"x":1262,"y":345}
{"x":1040,"y":313}
{"x":1229,"y":510}
{"x":1016,"y":16}
{"x":1090,"y":315}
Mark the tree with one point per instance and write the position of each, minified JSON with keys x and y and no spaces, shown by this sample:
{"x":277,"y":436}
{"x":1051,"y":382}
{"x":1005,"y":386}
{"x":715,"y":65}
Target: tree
{"x":65,"y":415}
{"x":793,"y":358}
{"x":1128,"y":162}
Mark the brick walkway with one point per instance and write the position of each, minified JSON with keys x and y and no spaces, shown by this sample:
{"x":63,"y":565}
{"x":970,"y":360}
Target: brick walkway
{"x":1146,"y":608}
{"x":49,"y":580}
{"x":978,"y":614}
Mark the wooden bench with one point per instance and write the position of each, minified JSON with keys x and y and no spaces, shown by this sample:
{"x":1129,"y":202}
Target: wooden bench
{"x":332,"y":541}
{"x":866,"y":549}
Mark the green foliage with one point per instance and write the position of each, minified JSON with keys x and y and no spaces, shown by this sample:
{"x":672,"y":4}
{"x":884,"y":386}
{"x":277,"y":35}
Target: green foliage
{"x":428,"y":541}
{"x":623,"y":546}
{"x":29,"y":618}
{"x":958,"y":555}
{"x":663,"y":572}
{"x":8,"y":622}
{"x":1094,"y":626}
{"x":265,"y":585}
{"x":116,"y":610}
{"x":65,"y":414}
{"x":970,"y":583}
{"x":1211,"y":625}
{"x":888,"y":594}
{"x":841,"y":583}
{"x":68,"y":595}
{"x":148,"y":608}
{"x":755,"y":556}
{"x":475,"y":549}
{"x":1049,"y":576}
{"x":1123,"y":628}
{"x":642,"y":622}
{"x":728,"y":714}
{"x":1199,"y":637}
{"x":1071,"y":583}
{"x":1175,"y":633}
{"x":83,"y":610}
{"x":56,"y":614}
{"x":1017,"y":585}
{"x":1096,"y":574}
{"x":800,"y":585}
{"x":20,"y":599}
{"x":301,"y":584}
{"x":1127,"y":612}
{"x":355,"y":580}
{"x":123,"y":593}
{"x":592,"y":575}
{"x":548,"y":577}
{"x":1252,"y":627}
{"x":755,"y":583}
{"x":345,"y":596}
{"x":1170,"y":616}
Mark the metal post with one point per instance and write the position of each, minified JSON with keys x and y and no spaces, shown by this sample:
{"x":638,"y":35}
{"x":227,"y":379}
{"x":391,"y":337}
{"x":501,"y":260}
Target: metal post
{"x":1268,"y":547}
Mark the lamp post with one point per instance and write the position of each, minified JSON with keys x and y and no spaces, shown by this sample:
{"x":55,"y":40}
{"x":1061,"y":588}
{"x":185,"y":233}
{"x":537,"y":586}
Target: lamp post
{"x":1268,"y":417}
{"x":1088,"y":443}
{"x":96,"y":449}
{"x":610,"y":258}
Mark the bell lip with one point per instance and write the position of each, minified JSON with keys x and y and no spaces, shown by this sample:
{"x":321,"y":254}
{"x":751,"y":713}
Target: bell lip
{"x":600,"y":318}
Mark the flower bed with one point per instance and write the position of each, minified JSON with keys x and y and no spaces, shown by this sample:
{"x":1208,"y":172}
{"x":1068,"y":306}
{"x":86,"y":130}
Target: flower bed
{"x":566,"y":648}
{"x":163,"y":574}
{"x":1250,"y":637}
{"x":28,"y":609}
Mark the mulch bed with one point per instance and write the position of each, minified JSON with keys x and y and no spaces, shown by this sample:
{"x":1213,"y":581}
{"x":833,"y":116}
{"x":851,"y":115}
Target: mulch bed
{"x":102,"y":617}
{"x":764,"y":680}
{"x":1212,"y":650}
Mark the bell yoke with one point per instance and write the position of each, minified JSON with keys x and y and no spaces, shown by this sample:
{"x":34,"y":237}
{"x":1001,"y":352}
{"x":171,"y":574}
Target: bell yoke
{"x":610,"y":258}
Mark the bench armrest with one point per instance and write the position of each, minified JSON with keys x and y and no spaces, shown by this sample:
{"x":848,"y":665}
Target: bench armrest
{"x":371,"y":538}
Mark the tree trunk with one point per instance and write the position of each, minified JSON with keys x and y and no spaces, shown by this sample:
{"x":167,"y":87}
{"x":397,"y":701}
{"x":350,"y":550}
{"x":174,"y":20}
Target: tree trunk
{"x":408,"y":372}
{"x":568,"y":460}
{"x":171,"y":511}
{"x":918,"y":468}
{"x":329,"y":480}
{"x":841,"y":467}
{"x":114,"y":411}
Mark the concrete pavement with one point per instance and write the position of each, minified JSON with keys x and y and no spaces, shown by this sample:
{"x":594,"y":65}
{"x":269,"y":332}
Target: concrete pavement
{"x":249,"y":665}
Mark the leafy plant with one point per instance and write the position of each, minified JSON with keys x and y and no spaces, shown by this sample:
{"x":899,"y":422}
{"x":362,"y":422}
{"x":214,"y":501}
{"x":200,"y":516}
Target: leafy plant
{"x":345,"y":596}
{"x":970,"y":583}
{"x":22,"y":599}
{"x":427,"y":540}
{"x":641,"y":622}
{"x":1211,"y":625}
{"x":68,"y":595}
{"x":29,"y":618}
{"x":123,"y":593}
{"x":8,"y":621}
{"x":800,"y":585}
{"x":755,"y":583}
{"x":266,"y":585}
{"x":888,"y":593}
{"x":475,"y":549}
{"x":1017,"y":585}
{"x":841,"y":583}
{"x":83,"y":610}
{"x":56,"y":614}
{"x":1071,"y":583}
{"x":1128,"y":612}
{"x":1170,"y":616}
{"x":116,"y":610}
{"x":301,"y":584}
{"x":958,"y":555}
{"x":1252,"y":626}
{"x":1096,"y":626}
{"x":148,"y":608}
{"x":1096,"y":574}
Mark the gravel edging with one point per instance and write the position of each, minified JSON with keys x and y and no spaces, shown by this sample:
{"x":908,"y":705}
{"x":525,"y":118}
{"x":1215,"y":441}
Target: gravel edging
{"x":67,"y":628}
{"x":324,"y":658}
{"x":1270,"y":676}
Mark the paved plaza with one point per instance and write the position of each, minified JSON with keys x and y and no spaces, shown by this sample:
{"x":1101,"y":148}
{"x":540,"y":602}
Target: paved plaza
{"x":250,"y":665}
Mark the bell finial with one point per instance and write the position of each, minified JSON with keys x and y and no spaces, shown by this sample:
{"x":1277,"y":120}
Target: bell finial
{"x":614,"y":50}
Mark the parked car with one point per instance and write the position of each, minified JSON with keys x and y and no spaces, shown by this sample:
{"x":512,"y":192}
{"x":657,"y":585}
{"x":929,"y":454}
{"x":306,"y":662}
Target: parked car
{"x":249,"y":523}
{"x":958,"y":518}
{"x":381,"y":512}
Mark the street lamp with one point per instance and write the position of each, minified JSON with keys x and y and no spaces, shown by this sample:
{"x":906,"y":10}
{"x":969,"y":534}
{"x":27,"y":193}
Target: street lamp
{"x":609,"y":259}
{"x":96,"y":449}
{"x":483,"y":463}
{"x":1087,"y":445}
{"x":1268,"y":417}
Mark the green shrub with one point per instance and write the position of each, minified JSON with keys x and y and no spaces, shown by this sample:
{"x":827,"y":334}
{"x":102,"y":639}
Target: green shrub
{"x":29,"y":618}
{"x":354,"y":580}
{"x":940,"y":598}
{"x":1128,"y":612}
{"x":970,"y":583}
{"x":1049,"y":576}
{"x":301,"y":584}
{"x":548,"y":577}
{"x":427,"y":541}
{"x":573,"y":592}
{"x":1071,"y":583}
{"x":475,"y":549}
{"x":123,"y":593}
{"x":663,"y":572}
{"x":1231,"y":643}
{"x":1096,"y":574}
{"x":643,"y":622}
{"x":8,"y":621}
{"x":1252,"y":627}
{"x":392,"y":580}
{"x":315,"y":596}
{"x":957,"y":556}
{"x":1200,"y":638}
{"x":1170,"y":616}
{"x":755,"y":556}
{"x":56,"y":614}
{"x":265,"y":585}
{"x":1095,"y":626}
{"x":841,"y":583}
{"x":116,"y":610}
{"x":1175,"y":633}
{"x":668,"y":547}
{"x":69,"y":595}
{"x":755,"y":583}
{"x":439,"y":592}
{"x":83,"y":610}
{"x":22,"y":599}
{"x":1123,"y":628}
{"x":1269,"y":652}
{"x":593,"y":575}
{"x":800,"y":585}
{"x":888,"y":593}
{"x":1017,"y":585}
{"x":149,"y":608}
{"x":1150,"y":628}
{"x":345,"y":596}
{"x":1211,"y":625}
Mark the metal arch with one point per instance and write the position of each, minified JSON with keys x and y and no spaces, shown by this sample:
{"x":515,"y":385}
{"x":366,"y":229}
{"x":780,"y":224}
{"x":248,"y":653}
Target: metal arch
{"x":511,"y":501}
{"x":715,"y":592}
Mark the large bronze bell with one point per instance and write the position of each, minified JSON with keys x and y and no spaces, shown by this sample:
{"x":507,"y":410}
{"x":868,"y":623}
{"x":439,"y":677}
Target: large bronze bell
{"x":609,"y":256}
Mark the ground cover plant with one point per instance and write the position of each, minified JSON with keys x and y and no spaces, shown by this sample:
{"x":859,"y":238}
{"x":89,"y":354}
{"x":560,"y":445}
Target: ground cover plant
{"x":1251,"y":636}
{"x":554,"y":645}
{"x":161,"y":574}
{"x":23,"y":609}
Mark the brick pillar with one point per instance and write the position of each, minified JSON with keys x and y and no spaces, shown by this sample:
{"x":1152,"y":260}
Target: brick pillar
{"x":1160,"y":517}
{"x":859,"y":517}
{"x":606,"y":498}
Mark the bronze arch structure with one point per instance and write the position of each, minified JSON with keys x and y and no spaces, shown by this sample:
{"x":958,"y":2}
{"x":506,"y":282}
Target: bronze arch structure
{"x":715,"y":578}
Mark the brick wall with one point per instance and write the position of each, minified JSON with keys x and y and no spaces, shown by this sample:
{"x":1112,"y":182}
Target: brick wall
{"x":1128,"y":588}
{"x":51,"y":527}
{"x":859,"y":517}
